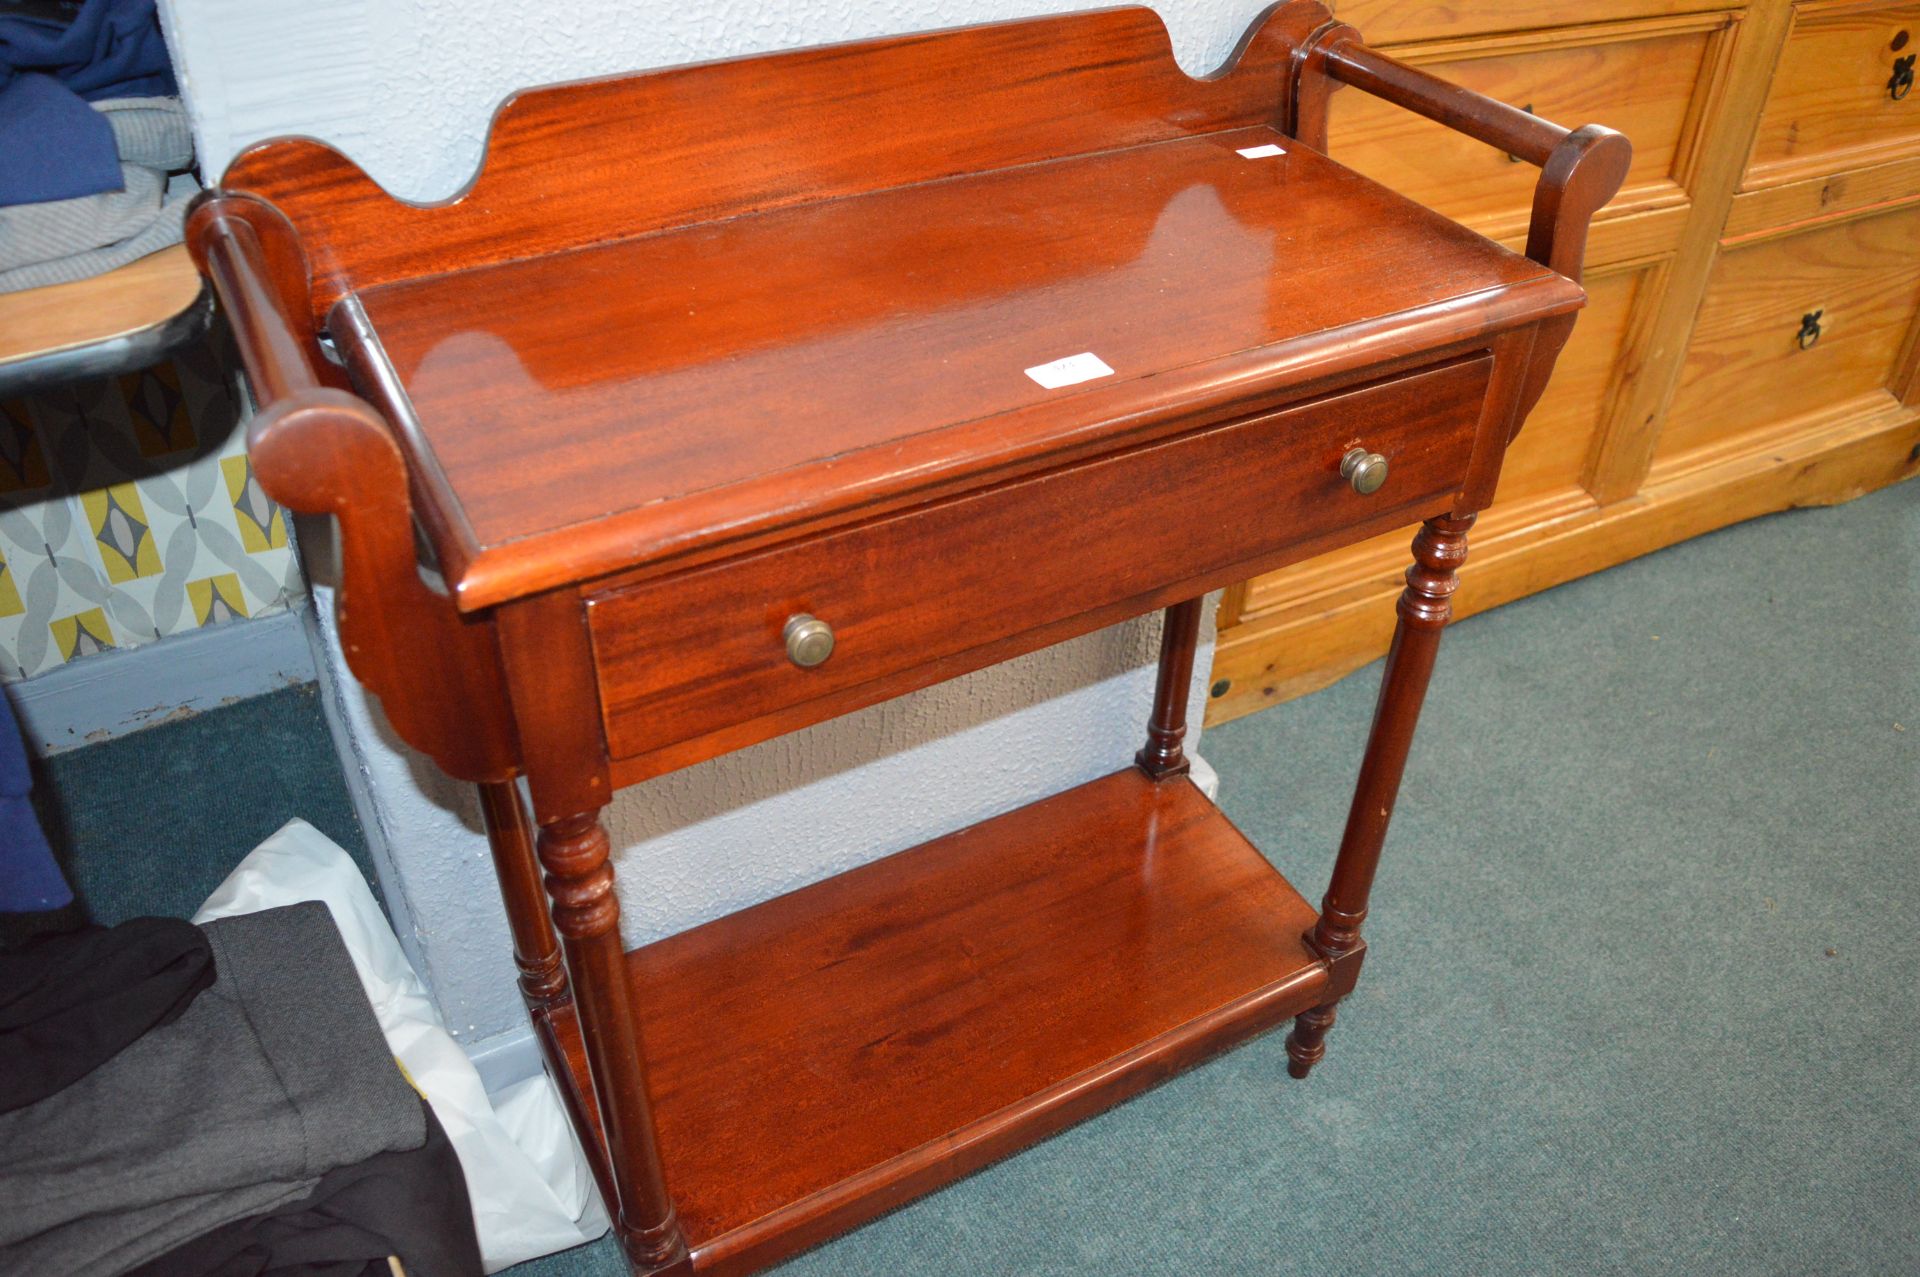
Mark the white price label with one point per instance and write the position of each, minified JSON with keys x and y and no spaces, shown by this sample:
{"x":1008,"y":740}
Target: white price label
{"x":1070,"y":371}
{"x":1261,"y":152}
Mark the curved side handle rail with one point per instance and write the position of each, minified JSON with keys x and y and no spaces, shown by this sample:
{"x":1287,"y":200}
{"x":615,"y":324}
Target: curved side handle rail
{"x":1580,"y":169}
{"x":319,"y":449}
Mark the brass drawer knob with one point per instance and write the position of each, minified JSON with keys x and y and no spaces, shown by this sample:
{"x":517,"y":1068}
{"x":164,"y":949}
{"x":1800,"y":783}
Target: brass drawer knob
{"x":809,"y":640}
{"x":1366,"y":471}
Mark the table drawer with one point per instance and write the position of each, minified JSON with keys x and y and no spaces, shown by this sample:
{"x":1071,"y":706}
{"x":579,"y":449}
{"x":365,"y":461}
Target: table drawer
{"x":1852,"y":287}
{"x":687,"y":655}
{"x":1842,"y":93}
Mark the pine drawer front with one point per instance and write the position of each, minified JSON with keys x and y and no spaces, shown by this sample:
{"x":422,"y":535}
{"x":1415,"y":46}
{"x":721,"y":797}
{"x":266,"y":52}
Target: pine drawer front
{"x":1647,"y":79}
{"x":1395,"y":22}
{"x":684,"y":656}
{"x":1552,"y":454}
{"x":1851,"y":288}
{"x":1843,"y":94}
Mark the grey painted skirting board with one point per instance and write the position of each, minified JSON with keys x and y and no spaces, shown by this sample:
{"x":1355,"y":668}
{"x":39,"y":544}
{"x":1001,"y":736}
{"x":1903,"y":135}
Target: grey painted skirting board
{"x":505,"y":1058}
{"x":119,"y":692}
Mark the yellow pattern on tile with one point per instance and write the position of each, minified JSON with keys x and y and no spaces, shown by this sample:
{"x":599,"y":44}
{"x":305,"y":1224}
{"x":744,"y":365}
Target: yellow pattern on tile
{"x":216,"y":599}
{"x":82,"y":634}
{"x":118,"y":518}
{"x":262,"y":524}
{"x":158,"y":410}
{"x":23,"y":467}
{"x":10,"y":604}
{"x":111,"y":499}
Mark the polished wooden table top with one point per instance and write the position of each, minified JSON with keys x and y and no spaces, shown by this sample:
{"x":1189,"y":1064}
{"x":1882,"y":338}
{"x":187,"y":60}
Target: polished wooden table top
{"x":648,"y":393}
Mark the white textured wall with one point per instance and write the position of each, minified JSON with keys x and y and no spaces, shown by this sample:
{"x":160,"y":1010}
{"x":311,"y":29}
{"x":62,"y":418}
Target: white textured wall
{"x":406,"y":87}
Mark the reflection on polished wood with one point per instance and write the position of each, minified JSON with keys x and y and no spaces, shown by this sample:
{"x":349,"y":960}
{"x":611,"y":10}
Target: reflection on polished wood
{"x":924,"y":307}
{"x":654,"y":391}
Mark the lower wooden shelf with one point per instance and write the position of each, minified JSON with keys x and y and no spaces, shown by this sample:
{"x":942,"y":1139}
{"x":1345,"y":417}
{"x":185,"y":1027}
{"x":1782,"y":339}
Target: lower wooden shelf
{"x":821,"y":1058}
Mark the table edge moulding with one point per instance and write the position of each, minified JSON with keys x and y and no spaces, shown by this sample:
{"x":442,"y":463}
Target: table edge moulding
{"x":724,"y":401}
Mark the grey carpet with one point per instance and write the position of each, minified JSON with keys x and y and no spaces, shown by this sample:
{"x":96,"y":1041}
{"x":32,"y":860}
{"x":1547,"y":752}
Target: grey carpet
{"x":151,"y":823}
{"x":1646,"y":944}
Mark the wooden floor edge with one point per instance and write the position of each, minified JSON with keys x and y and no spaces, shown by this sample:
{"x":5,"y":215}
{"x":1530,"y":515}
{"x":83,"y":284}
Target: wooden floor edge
{"x":1294,"y":651}
{"x":993,"y":1137}
{"x":131,"y":298}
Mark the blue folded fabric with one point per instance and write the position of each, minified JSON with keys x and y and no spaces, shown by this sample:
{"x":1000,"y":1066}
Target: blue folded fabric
{"x":30,"y":878}
{"x":111,"y":49}
{"x":53,"y":146}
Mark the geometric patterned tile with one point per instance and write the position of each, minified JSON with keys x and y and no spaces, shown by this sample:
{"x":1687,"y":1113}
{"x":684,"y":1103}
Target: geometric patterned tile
{"x":82,"y":634}
{"x":216,"y":599}
{"x":23,"y":467}
{"x":119,"y":522}
{"x":128,"y":512}
{"x":262,"y":523}
{"x":10,"y":604}
{"x":157,"y":410}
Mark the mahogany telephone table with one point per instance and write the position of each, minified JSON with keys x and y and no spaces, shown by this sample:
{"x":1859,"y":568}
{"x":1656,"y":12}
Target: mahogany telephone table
{"x":734,"y":397}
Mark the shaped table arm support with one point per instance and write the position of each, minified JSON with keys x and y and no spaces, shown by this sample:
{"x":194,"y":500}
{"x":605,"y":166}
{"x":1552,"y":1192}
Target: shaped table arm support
{"x":319,"y":449}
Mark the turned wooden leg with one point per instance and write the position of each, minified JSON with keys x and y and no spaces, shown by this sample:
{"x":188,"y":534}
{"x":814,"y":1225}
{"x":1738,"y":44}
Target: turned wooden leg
{"x":1425,"y":606}
{"x":1162,"y":755}
{"x":543,"y":981}
{"x":1307,"y":1044}
{"x":586,"y":912}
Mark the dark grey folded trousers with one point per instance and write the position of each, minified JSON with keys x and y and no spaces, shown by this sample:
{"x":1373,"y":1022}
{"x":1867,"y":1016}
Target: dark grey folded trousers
{"x":273,"y":1077}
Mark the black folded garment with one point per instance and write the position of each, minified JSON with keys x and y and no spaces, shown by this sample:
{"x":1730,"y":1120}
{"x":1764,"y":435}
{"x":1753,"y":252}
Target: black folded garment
{"x":412,"y":1205}
{"x":275,"y":1076}
{"x":71,"y":1001}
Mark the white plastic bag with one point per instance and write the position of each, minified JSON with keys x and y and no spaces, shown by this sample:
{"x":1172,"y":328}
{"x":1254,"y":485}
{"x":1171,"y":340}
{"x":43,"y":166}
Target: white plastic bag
{"x":532,"y":1190}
